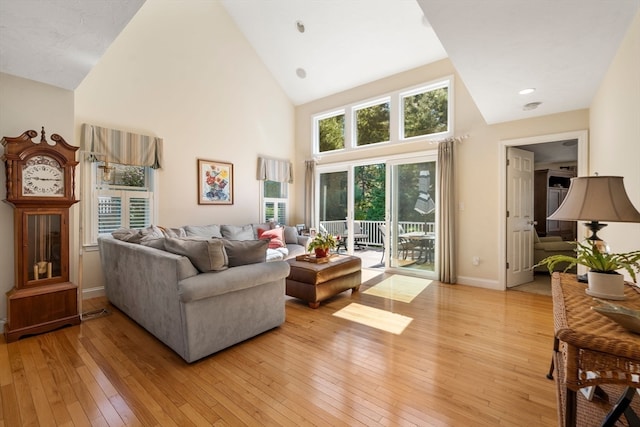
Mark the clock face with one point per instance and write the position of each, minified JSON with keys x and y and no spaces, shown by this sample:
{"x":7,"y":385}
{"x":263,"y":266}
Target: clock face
{"x":42,"y":176}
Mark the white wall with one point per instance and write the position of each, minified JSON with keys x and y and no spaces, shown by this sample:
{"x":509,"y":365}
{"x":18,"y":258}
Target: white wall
{"x":615,"y":133}
{"x":26,"y":105}
{"x":183,"y":71}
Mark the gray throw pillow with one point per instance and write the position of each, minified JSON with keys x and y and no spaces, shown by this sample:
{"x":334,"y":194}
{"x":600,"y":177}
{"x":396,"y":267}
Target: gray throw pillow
{"x":127,"y":235}
{"x":242,"y":252}
{"x":237,"y":232}
{"x":174,"y":232}
{"x":204,"y":254}
{"x":207,"y":231}
{"x":153,"y":242}
{"x":290,"y":234}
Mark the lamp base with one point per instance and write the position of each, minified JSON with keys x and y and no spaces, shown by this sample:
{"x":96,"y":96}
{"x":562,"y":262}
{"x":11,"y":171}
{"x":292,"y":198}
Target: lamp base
{"x":582,"y":278}
{"x":594,"y":227}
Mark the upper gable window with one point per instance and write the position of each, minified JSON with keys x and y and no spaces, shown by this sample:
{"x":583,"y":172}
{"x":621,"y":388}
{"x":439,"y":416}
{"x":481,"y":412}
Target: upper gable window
{"x":407,"y":115}
{"x":330,"y":132}
{"x":372,"y":123}
{"x":425,"y":111}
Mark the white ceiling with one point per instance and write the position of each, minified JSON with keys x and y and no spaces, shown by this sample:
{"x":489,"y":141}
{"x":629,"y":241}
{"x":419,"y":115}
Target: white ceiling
{"x":560,"y":47}
{"x":58,"y":41}
{"x":346,"y":42}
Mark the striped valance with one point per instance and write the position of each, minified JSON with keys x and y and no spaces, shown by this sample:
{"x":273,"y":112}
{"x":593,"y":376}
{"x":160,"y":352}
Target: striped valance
{"x":274,"y":170}
{"x":116,"y":146}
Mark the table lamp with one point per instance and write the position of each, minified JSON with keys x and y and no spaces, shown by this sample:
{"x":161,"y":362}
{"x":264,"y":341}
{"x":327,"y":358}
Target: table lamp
{"x":595,"y":199}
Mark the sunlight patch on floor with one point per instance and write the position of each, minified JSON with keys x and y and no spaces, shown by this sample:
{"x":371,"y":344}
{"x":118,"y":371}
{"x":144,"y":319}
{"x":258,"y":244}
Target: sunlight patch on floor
{"x":375,"y":318}
{"x":399,"y":288}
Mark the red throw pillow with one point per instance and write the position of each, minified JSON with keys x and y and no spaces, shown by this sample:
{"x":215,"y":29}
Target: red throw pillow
{"x":275,"y":237}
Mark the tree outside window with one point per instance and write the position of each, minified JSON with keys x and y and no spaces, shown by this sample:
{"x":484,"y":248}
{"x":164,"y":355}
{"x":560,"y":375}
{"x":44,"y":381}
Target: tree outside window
{"x":426,"y":113}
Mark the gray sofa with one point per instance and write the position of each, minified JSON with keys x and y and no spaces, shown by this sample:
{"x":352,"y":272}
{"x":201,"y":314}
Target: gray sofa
{"x":194,"y":311}
{"x":548,"y":246}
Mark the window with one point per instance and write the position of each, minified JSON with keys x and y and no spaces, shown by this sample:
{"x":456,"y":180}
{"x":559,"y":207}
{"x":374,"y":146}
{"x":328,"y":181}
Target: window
{"x":402,"y":116}
{"x":425,"y":111}
{"x":330,"y":132}
{"x":125,"y":200}
{"x":275,"y":201}
{"x":372,"y":124}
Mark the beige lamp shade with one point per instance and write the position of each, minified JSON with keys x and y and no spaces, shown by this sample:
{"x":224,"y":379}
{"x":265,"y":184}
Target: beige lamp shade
{"x":597,"y":198}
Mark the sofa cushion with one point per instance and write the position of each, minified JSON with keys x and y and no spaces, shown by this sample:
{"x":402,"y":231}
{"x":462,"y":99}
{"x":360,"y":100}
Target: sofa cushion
{"x":153,"y":242}
{"x":127,"y":235}
{"x":261,"y":226}
{"x":174,"y":232}
{"x":135,"y":236}
{"x":237,"y":232}
{"x":290,"y":234}
{"x":275,"y":237}
{"x":204,"y":254}
{"x":206,"y":231}
{"x":242,"y":252}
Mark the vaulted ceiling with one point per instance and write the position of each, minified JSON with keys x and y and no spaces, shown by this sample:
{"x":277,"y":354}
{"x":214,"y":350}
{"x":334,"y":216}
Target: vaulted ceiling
{"x":498,"y":47}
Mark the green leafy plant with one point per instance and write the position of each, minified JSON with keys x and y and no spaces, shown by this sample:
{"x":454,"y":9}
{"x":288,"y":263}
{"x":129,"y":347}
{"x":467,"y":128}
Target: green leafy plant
{"x":324,"y":241}
{"x":591,"y":257}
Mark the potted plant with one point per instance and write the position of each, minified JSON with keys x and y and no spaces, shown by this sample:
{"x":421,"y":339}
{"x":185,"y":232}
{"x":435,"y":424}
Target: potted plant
{"x":603,"y":279}
{"x":321,"y":244}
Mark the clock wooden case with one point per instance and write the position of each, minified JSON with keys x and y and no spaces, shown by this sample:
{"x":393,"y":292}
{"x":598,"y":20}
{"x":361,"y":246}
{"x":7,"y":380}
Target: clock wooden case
{"x":40,"y":187}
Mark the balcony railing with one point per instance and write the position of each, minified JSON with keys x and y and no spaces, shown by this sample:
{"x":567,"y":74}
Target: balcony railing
{"x":372,"y":229}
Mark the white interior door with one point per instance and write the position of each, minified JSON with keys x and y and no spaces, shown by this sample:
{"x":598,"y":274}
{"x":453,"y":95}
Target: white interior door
{"x":519,"y":216}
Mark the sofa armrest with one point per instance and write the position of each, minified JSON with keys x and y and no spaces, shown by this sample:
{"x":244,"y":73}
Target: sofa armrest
{"x":304,"y":241}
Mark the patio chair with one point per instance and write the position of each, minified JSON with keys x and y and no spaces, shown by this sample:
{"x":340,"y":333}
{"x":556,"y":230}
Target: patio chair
{"x":404,"y":245}
{"x":358,"y":235}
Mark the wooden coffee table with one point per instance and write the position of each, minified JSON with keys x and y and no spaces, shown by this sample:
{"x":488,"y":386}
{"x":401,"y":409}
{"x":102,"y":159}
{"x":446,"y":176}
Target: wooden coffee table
{"x":315,"y":282}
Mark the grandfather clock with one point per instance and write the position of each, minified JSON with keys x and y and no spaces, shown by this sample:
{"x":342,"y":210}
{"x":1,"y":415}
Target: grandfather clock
{"x":40,"y":187}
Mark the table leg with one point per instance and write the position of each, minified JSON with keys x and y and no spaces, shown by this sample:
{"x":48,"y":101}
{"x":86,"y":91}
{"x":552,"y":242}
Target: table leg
{"x":622,"y":406}
{"x":570,"y":408}
{"x":555,"y":351}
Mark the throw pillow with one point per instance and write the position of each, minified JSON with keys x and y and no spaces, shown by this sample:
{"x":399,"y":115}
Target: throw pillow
{"x":237,"y":232}
{"x":275,"y":237}
{"x":290,"y":234}
{"x":242,"y":252}
{"x":263,"y":226}
{"x":127,"y":235}
{"x":174,"y":232}
{"x":205,"y":255}
{"x":208,"y":231}
{"x":152,"y":241}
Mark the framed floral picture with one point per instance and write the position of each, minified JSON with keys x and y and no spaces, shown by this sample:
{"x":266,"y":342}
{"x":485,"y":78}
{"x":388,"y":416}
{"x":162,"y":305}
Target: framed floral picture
{"x":215,"y":182}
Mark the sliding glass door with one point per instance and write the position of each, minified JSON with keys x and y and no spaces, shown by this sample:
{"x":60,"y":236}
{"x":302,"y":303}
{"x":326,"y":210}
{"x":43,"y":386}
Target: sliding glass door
{"x":384,"y":207}
{"x":411,"y":216}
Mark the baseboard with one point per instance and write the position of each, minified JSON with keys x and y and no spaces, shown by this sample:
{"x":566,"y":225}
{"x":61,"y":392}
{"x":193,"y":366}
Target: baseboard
{"x":480,"y":283}
{"x":93,"y":292}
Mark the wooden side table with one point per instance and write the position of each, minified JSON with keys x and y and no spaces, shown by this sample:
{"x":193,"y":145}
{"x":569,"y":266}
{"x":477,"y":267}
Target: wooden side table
{"x":592,"y":350}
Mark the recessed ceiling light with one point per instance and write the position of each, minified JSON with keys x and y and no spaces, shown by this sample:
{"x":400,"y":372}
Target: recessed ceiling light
{"x":531,"y":106}
{"x":300,"y":72}
{"x":527,"y":91}
{"x":300,"y":26}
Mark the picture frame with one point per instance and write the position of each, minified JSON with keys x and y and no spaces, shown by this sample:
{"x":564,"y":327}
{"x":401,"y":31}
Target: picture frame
{"x":215,"y":182}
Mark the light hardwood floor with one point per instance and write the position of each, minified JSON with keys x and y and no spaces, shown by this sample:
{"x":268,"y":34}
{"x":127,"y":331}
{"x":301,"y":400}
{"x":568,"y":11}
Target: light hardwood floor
{"x":470,"y":357}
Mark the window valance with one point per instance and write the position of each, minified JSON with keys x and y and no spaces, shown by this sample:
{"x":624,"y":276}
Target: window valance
{"x":116,"y":146}
{"x":275,"y":170}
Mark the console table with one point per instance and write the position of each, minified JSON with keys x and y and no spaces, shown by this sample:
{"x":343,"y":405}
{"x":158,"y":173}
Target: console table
{"x":590,"y":350}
